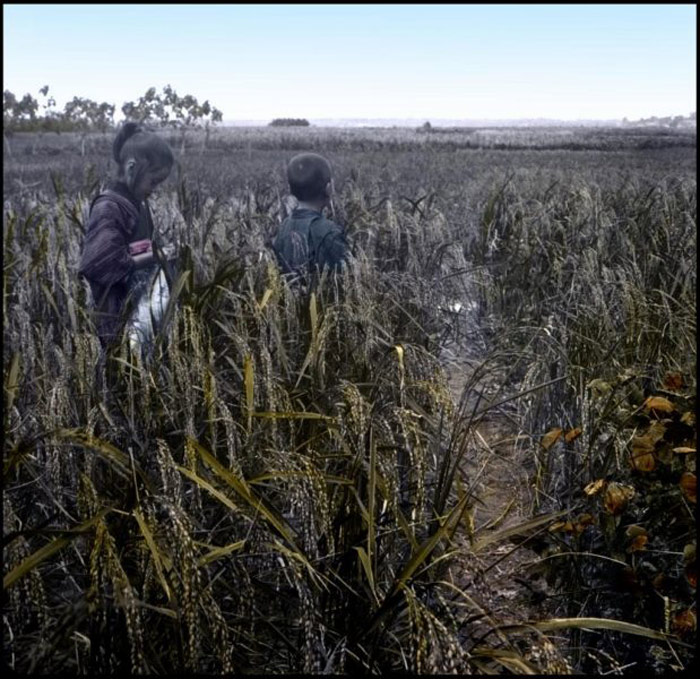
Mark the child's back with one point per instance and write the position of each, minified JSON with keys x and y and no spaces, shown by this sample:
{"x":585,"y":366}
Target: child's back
{"x":306,"y":241}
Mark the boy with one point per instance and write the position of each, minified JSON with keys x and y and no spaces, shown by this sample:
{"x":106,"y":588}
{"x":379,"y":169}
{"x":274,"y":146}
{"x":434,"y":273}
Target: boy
{"x":306,"y":241}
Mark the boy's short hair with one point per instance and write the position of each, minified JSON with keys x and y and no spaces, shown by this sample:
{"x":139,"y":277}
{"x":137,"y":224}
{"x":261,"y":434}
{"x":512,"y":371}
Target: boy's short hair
{"x":308,"y":174}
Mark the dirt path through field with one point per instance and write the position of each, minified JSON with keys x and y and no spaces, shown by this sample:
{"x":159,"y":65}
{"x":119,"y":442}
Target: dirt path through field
{"x":499,"y":472}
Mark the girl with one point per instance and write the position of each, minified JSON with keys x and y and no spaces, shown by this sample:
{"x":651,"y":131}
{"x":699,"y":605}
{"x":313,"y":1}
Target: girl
{"x":118,"y":258}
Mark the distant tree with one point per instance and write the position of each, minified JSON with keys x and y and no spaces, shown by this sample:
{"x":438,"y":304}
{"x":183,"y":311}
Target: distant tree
{"x":9,"y":102}
{"x":84,"y":115}
{"x":9,"y":105}
{"x":102,"y":116}
{"x":149,"y":108}
{"x":427,"y":127}
{"x":189,"y":113}
{"x":80,"y":114}
{"x":17,"y":115}
{"x":290,"y":122}
{"x":211,"y":116}
{"x":51,"y":119}
{"x":168,"y":109}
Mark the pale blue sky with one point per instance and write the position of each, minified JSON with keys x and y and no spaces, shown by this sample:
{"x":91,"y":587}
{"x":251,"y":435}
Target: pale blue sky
{"x":364,"y":61}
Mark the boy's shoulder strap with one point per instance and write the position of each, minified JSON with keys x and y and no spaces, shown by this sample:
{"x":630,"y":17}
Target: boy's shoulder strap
{"x":320,"y":232}
{"x":291,"y":245}
{"x":331,"y":246}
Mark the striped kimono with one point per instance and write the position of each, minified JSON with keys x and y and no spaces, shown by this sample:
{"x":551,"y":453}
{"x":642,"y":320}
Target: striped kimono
{"x":116,"y":219}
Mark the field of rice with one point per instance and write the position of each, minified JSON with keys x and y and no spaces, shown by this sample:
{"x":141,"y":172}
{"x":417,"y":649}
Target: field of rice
{"x":326,"y":481}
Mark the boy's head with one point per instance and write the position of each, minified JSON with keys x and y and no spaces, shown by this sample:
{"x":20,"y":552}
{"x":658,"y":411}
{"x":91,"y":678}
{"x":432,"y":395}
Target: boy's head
{"x":309,"y":177}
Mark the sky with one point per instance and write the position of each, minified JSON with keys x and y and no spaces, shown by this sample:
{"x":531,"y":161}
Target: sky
{"x":463,"y":61}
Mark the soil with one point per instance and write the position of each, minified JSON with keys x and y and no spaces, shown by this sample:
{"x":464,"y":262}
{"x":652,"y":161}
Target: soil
{"x":501,"y":575}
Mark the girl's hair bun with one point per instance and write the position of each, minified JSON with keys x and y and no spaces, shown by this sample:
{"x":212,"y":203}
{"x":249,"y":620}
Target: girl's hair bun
{"x":126,"y":131}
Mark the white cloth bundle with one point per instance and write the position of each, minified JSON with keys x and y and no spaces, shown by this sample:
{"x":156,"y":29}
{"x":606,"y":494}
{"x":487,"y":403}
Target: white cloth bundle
{"x":151,"y":293}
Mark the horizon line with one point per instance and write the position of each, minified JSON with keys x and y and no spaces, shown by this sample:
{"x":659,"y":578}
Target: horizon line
{"x":412,"y":121}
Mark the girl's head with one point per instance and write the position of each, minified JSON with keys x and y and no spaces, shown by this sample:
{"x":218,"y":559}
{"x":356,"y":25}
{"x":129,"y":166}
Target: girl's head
{"x":144,"y":159}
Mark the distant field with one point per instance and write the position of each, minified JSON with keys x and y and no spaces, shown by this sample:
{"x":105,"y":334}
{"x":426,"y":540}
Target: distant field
{"x":570,"y":138}
{"x":446,"y":156}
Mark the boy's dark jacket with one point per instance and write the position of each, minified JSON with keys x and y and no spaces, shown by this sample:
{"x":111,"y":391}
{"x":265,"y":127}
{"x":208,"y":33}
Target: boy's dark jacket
{"x":306,"y":241}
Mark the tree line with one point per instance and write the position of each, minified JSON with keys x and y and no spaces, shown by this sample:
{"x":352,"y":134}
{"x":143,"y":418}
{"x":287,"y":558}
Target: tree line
{"x":289,"y":122}
{"x":166,"y":109}
{"x":666,"y":121}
